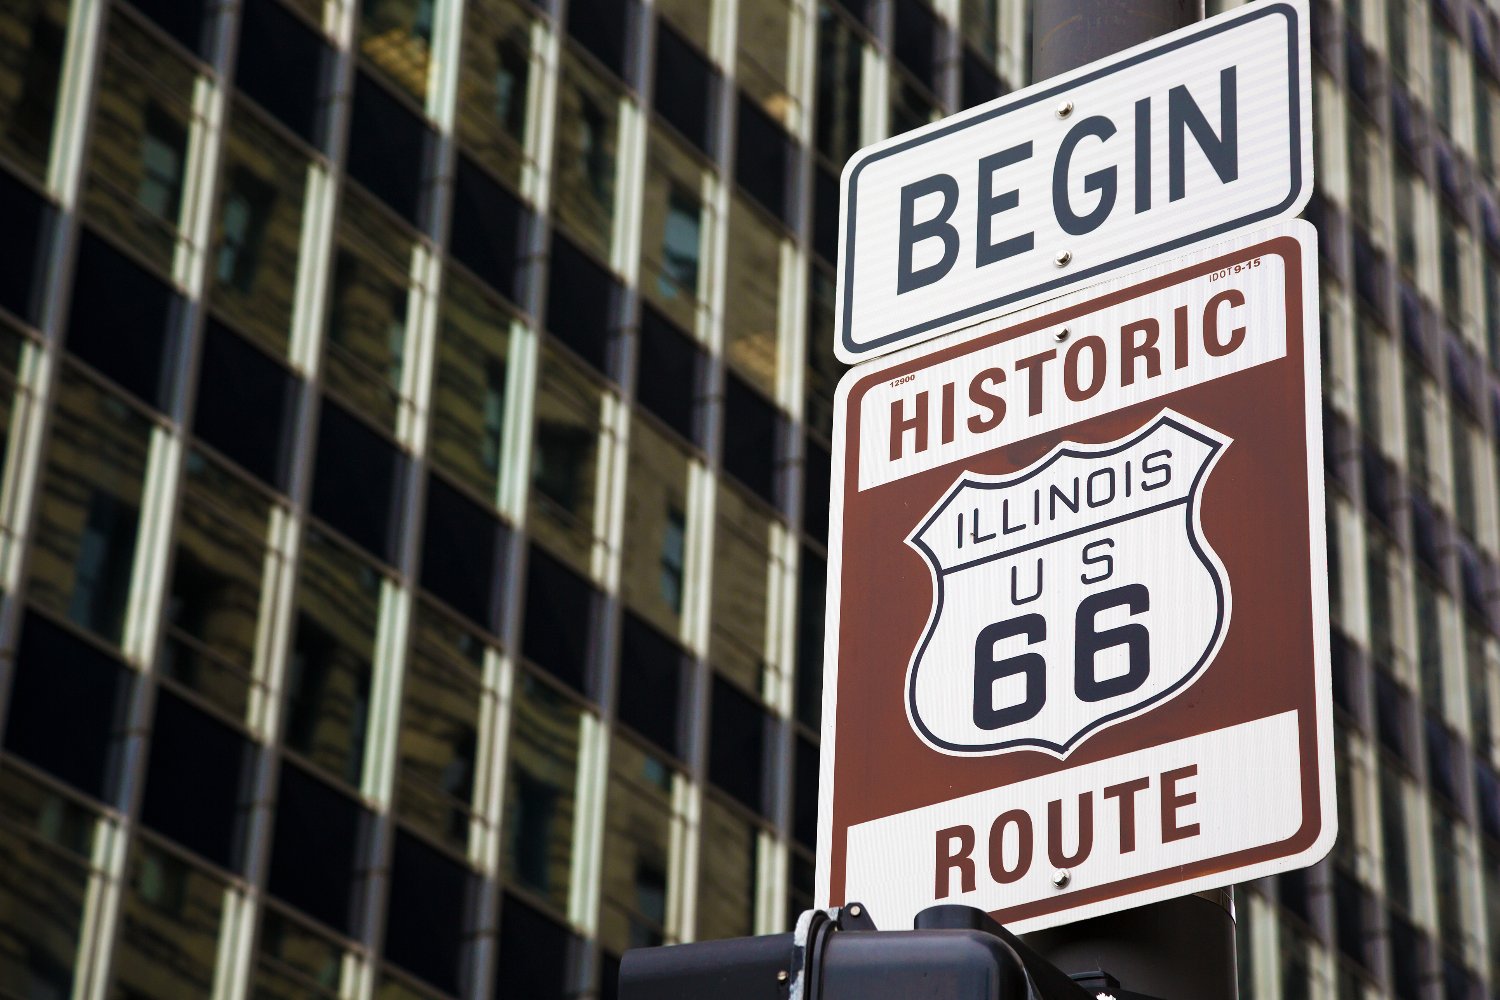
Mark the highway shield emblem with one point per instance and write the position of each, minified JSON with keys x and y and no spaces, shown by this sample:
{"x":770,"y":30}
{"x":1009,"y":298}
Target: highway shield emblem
{"x":1069,"y":596}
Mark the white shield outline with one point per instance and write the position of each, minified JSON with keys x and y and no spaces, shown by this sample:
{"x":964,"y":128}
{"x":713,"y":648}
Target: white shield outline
{"x":1215,"y":443}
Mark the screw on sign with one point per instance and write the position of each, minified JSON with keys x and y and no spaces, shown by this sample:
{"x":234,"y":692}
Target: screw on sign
{"x":1077,"y":636}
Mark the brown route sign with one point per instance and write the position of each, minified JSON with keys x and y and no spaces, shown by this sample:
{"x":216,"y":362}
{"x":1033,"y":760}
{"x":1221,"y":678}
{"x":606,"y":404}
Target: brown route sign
{"x":1077,"y":634}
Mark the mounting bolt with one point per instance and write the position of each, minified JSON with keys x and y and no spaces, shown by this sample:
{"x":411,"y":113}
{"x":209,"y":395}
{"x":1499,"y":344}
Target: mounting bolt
{"x":783,"y":976}
{"x":1061,"y":877}
{"x":1065,"y":109}
{"x":1061,"y":335}
{"x":1063,"y":258}
{"x":855,"y":910}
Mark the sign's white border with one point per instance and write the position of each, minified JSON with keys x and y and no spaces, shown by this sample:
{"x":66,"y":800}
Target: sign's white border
{"x":1306,"y":235}
{"x":851,"y":351}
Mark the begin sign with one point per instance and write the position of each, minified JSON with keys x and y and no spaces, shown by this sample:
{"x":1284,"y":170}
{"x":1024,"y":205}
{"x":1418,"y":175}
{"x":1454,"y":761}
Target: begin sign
{"x":1077,"y":643}
{"x":1193,"y":135}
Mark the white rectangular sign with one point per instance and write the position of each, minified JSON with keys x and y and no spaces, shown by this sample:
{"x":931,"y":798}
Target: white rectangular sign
{"x":1181,"y":803}
{"x":1190,"y":136}
{"x":1076,"y":651}
{"x":1142,"y":348}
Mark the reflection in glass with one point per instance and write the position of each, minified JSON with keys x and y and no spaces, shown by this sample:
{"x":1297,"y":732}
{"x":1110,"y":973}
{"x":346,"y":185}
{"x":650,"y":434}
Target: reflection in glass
{"x":753,"y":295}
{"x":637,"y":849}
{"x":440,"y":704}
{"x":693,"y":18}
{"x":85,"y":531}
{"x":727,"y":866}
{"x":823,"y":368}
{"x":253,"y":276}
{"x":213,"y":604}
{"x":36,"y":808}
{"x":169,"y":928}
{"x":741,"y":589}
{"x":468,"y":398}
{"x":495,"y":84}
{"x":981,"y":25}
{"x":328,"y":679}
{"x":366,"y":335}
{"x":840,"y":59}
{"x":911,"y":105}
{"x":140,"y":141}
{"x":674,"y":223}
{"x":587,"y":133}
{"x":396,"y":35}
{"x":769,"y":32}
{"x":565,"y":457}
{"x":654,"y":557}
{"x":31,"y":51}
{"x":295,"y":961}
{"x":41,"y":915}
{"x":539,"y":795}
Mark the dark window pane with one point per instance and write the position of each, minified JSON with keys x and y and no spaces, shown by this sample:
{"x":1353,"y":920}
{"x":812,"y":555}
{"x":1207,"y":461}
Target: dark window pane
{"x":826,"y":213}
{"x":387,"y":147}
{"x":488,"y":225}
{"x":750,"y":438}
{"x":26,"y":220}
{"x":66,"y":705}
{"x":425,"y":914}
{"x":317,"y":840}
{"x":805,"y":805}
{"x":290,"y":86}
{"x":811,"y":595}
{"x":354,"y":487}
{"x":1349,"y":918}
{"x":815,"y":495}
{"x":194,"y":779}
{"x":581,"y":302}
{"x":122,"y":319}
{"x":237,"y":379}
{"x":651,"y":670}
{"x":737,"y":744}
{"x":559,"y":619}
{"x":534,"y":954}
{"x":602,"y":26}
{"x":666,"y":381}
{"x":184,"y":20}
{"x":463,"y":553}
{"x":1408,"y":956}
{"x":980,"y":82}
{"x":686,"y":87}
{"x":917,"y":40}
{"x":840,"y":62}
{"x":765,"y":159}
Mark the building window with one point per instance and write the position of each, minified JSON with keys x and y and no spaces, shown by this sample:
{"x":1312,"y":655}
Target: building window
{"x":679,"y":245}
{"x":163,"y":149}
{"x":565,"y":457}
{"x":587,"y":135}
{"x":247,"y":206}
{"x":35,"y":31}
{"x":84,"y":547}
{"x":539,"y":799}
{"x":672,"y":559}
{"x":396,"y":35}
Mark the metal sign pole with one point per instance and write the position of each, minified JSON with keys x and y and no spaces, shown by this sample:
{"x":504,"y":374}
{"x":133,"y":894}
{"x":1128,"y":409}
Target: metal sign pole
{"x":1180,"y":949}
{"x":1066,"y":34}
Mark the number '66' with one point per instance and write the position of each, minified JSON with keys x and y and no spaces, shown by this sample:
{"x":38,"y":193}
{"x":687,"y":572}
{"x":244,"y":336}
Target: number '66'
{"x":1088,"y":642}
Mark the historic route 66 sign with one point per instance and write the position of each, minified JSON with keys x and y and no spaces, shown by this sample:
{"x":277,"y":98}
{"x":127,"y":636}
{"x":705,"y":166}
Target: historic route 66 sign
{"x":1072,"y":595}
{"x":1077,"y":600}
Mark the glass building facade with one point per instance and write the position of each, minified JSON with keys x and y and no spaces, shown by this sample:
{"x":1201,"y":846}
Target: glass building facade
{"x":413,"y":499}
